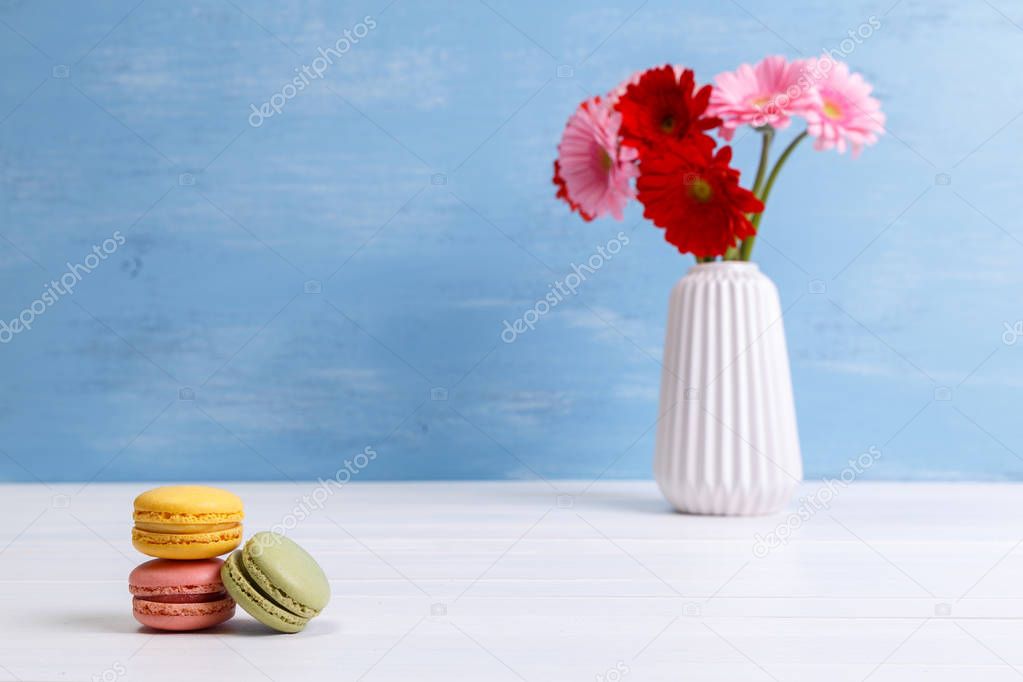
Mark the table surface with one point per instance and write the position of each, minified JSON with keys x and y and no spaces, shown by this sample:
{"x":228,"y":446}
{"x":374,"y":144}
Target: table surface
{"x":536,"y":581}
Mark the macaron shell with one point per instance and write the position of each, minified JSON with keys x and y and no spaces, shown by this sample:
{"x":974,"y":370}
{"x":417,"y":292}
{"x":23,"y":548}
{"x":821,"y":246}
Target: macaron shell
{"x":182,"y":617}
{"x":287,"y":573}
{"x":255,"y":603}
{"x":265,"y":585}
{"x":179,"y":595}
{"x":165,"y":578}
{"x":186,"y":545}
{"x":176,"y":503}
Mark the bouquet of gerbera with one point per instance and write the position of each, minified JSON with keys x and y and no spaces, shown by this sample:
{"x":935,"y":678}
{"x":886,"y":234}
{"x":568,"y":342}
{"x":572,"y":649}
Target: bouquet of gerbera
{"x":654,"y":129}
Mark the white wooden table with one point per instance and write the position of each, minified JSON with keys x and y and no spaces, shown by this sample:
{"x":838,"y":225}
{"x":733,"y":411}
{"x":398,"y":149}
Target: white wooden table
{"x":510,"y":581}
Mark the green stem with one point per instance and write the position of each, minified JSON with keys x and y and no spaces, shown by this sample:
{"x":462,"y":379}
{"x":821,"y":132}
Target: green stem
{"x":765,"y":147}
{"x":767,"y":136}
{"x":765,"y":192}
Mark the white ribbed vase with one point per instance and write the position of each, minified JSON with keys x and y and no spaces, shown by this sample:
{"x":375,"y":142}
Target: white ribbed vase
{"x":727,"y":441}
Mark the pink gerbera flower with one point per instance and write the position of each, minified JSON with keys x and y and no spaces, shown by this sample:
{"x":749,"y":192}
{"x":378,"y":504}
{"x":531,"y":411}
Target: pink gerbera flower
{"x":766,"y":94}
{"x":593,"y":171}
{"x":846,"y":113}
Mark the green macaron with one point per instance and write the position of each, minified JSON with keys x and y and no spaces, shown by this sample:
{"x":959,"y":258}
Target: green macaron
{"x":276,"y":582}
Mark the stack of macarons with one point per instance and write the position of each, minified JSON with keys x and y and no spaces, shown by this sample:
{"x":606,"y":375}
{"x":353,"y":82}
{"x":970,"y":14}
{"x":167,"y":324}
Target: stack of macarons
{"x":188,"y":588}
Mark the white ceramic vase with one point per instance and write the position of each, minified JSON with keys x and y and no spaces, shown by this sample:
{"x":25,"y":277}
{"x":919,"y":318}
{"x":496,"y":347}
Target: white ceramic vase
{"x":727,"y":441}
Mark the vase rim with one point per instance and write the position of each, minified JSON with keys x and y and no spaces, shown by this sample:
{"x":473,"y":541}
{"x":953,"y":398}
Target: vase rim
{"x":727,"y":265}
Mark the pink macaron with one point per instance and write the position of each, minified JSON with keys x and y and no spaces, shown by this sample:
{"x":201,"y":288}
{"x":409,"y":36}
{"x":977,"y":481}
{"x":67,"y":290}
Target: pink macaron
{"x":179,"y":595}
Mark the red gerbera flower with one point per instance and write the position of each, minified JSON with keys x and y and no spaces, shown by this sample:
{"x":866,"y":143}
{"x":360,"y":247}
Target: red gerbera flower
{"x":700,"y":204}
{"x":663,"y":107}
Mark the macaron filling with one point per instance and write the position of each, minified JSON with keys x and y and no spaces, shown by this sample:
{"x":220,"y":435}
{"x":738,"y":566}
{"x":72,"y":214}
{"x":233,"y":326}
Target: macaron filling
{"x":185,"y":528}
{"x":183,"y":598}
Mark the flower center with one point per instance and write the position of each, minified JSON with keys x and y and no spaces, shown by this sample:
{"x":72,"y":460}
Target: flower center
{"x":668,"y":123}
{"x":605,"y":159}
{"x":760,"y":102}
{"x":832,"y":110}
{"x":700,"y":190}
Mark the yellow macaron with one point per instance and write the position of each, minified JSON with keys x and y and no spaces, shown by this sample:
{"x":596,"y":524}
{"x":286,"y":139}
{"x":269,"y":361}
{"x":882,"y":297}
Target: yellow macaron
{"x":187,"y":522}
